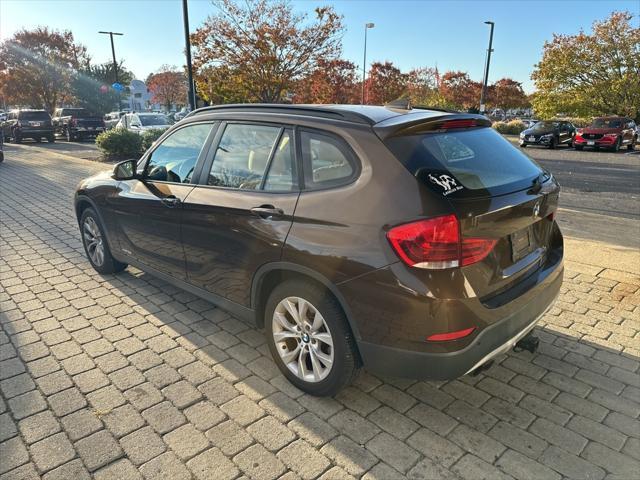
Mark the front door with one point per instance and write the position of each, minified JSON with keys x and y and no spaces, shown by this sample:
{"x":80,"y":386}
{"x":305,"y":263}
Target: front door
{"x":240,"y":215}
{"x":148,"y":211}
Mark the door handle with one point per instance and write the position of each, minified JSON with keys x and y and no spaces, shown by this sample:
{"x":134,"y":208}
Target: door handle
{"x":170,"y":201}
{"x":267,"y":211}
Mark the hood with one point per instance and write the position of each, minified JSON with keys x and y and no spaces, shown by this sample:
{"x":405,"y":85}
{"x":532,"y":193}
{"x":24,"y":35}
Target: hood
{"x":601,"y":130}
{"x":539,"y":131}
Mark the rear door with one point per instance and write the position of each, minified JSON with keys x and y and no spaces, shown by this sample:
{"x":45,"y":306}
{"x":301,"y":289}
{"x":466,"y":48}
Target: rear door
{"x":239,"y":215}
{"x":497,"y":193}
{"x":149,"y":210}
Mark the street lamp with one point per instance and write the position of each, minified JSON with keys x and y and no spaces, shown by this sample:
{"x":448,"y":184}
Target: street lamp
{"x":187,"y":41}
{"x":483,"y":93}
{"x":367,"y":26}
{"x":115,"y":64}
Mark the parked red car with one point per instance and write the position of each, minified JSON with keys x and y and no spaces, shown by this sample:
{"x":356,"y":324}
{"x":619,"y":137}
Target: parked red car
{"x":607,"y":132}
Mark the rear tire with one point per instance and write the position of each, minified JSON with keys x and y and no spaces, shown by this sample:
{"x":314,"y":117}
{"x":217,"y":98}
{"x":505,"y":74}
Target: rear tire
{"x":69,"y":135}
{"x":322,"y":328}
{"x":95,"y":244}
{"x":17,"y":138}
{"x":51,"y":138}
{"x":554,"y":143}
{"x":616,"y":147}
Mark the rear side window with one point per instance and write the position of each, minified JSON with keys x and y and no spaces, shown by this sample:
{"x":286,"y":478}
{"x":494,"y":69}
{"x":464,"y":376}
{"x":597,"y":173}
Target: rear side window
{"x":242,"y":156}
{"x":328,"y":160}
{"x":479,"y":160}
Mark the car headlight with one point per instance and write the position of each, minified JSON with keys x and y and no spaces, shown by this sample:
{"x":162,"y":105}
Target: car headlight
{"x":522,"y":134}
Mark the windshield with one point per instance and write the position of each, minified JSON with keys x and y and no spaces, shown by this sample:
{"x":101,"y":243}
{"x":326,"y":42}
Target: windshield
{"x":34,"y":116}
{"x":607,"y":123}
{"x":479,"y":160}
{"x":149,"y":120}
{"x":545,"y":125}
{"x":74,"y":112}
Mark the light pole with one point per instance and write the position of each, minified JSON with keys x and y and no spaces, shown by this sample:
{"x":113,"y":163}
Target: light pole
{"x":192,"y":90}
{"x":485,"y":81}
{"x":367,"y":26}
{"x":115,"y":64}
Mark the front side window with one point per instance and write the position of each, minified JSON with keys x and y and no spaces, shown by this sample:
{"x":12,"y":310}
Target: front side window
{"x":242,"y":156}
{"x":328,"y":161}
{"x":175,"y":158}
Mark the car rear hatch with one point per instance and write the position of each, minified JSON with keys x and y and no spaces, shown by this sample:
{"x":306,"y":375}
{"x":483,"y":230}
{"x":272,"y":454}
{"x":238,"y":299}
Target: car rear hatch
{"x":35,"y":120}
{"x":504,"y":203}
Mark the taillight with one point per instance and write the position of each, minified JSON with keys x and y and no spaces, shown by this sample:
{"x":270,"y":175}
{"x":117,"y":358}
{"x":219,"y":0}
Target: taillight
{"x":436,"y":243}
{"x":462,"y":123}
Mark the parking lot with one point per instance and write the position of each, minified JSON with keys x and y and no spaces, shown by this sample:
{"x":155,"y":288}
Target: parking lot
{"x":124,"y":376}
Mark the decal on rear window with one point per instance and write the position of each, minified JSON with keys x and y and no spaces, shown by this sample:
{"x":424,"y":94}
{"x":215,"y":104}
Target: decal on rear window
{"x":448,"y":183}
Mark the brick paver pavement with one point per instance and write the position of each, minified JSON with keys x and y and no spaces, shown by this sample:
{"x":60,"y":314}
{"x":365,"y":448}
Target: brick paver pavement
{"x":125,"y":377}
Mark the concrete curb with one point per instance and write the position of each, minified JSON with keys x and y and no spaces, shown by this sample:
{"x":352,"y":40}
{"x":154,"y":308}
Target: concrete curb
{"x":603,"y":259}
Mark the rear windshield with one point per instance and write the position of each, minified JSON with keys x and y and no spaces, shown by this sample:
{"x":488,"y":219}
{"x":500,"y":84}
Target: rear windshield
{"x":474,"y":162}
{"x":34,"y":116}
{"x":607,"y":123}
{"x":75,"y":112}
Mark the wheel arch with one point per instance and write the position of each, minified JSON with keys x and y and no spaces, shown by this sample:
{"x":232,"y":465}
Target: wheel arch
{"x":271,"y":274}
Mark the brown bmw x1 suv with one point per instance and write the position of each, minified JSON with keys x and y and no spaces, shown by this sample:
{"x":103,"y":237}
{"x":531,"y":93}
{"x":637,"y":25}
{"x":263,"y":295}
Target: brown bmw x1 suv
{"x":415,"y":243}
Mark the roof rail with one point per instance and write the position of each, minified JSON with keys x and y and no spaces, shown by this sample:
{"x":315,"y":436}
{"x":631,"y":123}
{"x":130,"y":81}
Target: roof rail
{"x":310,"y":110}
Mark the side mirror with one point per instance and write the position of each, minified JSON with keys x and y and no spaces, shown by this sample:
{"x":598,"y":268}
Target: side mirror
{"x":125,"y":170}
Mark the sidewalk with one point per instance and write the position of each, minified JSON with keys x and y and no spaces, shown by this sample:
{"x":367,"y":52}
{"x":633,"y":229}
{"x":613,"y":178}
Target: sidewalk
{"x":124,"y":376}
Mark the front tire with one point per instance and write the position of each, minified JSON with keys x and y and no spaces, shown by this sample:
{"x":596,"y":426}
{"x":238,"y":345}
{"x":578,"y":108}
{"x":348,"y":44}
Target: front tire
{"x":95,"y":244}
{"x":631,"y":146}
{"x":554,"y":143}
{"x":309,"y":338}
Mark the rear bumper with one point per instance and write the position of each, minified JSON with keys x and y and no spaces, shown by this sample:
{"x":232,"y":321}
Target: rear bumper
{"x":34,"y":132}
{"x":492,"y":341}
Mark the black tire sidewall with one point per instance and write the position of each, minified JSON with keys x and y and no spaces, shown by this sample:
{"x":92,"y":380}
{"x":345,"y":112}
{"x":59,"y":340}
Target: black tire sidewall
{"x":110,"y":264}
{"x":345,"y":363}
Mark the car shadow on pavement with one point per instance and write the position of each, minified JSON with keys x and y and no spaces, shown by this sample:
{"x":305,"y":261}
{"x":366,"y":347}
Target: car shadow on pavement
{"x":110,"y":360}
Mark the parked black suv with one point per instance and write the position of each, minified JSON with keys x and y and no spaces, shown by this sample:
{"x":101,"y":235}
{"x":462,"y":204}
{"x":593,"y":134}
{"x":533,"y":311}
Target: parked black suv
{"x":417,"y":243}
{"x":35,"y":124}
{"x":549,"y":134}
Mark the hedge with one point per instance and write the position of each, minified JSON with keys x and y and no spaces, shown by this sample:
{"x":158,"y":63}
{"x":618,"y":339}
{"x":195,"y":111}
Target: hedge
{"x":121,"y":144}
{"x":514,"y":127}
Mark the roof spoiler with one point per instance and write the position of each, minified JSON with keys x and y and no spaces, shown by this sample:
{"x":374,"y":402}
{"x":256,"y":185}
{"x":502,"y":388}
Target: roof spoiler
{"x":401,"y":126}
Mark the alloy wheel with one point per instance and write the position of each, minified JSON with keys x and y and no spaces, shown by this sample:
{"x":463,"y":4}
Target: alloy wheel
{"x":303,"y":339}
{"x":93,"y":241}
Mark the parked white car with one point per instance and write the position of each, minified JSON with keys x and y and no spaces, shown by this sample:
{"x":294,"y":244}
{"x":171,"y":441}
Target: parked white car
{"x":140,"y":122}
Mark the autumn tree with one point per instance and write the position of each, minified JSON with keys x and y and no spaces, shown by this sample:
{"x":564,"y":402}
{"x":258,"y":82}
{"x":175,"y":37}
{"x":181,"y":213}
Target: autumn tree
{"x":332,"y":81}
{"x":38,"y":67}
{"x":264,"y":46}
{"x":591,"y":74}
{"x":422,"y":88}
{"x":506,"y":93}
{"x":91,"y":86}
{"x":385,"y":83}
{"x":220,"y":84}
{"x":168,"y":86}
{"x":460,"y":91}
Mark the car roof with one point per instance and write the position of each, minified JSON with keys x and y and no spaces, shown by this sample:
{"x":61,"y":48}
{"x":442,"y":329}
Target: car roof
{"x":367,"y":114}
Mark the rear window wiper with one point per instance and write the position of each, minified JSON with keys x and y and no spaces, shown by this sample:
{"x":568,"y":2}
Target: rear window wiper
{"x":536,"y":183}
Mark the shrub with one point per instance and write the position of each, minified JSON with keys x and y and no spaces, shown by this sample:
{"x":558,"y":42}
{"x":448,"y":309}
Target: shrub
{"x":514,"y":127}
{"x":119,"y":143}
{"x":150,"y":136}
